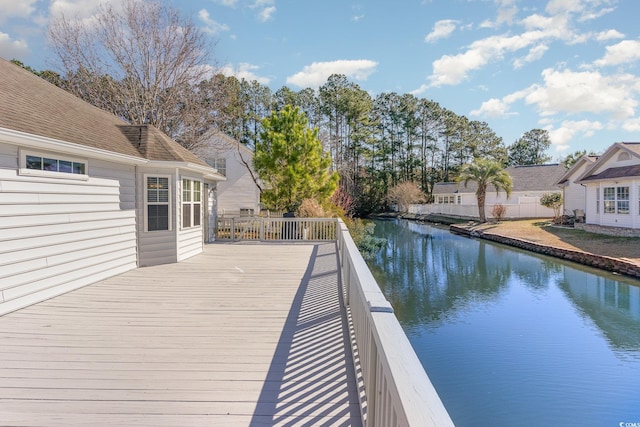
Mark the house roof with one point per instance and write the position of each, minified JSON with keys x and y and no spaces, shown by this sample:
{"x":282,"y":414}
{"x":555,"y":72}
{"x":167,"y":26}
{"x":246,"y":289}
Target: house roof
{"x":612,"y":173}
{"x":34,"y":106}
{"x":584,"y":160}
{"x":598,"y":170}
{"x":445,"y":188}
{"x":524,"y":178}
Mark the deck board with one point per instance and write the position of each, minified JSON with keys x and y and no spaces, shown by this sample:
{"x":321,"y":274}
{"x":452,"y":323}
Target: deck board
{"x":241,"y":335}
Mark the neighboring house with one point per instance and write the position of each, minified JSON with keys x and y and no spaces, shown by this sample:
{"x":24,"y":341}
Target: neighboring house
{"x":612,"y":183}
{"x":238,"y":194}
{"x":85,"y":196}
{"x":529,"y":184}
{"x":574,"y":193}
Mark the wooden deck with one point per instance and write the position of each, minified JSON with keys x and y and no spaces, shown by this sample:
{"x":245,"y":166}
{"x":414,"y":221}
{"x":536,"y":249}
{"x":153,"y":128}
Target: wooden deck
{"x":241,"y":335}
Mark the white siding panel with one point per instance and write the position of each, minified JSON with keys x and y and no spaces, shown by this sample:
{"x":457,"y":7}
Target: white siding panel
{"x":59,"y":234}
{"x":24,"y":232}
{"x":157,"y":248}
{"x":64,"y":252}
{"x":60,"y":274}
{"x":35,"y":297}
{"x":190,"y":243}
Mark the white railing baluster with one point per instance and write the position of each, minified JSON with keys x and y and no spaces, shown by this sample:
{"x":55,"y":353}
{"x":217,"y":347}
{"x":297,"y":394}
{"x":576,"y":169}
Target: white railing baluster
{"x":397,"y":388}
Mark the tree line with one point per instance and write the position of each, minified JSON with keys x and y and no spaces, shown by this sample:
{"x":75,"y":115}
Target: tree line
{"x":147,"y":64}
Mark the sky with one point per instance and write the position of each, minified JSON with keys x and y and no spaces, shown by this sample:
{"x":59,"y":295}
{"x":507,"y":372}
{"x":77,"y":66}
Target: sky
{"x":571,"y":67}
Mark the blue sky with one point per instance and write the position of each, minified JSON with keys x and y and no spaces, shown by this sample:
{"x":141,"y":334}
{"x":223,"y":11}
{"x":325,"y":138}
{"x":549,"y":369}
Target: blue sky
{"x":569,"y":66}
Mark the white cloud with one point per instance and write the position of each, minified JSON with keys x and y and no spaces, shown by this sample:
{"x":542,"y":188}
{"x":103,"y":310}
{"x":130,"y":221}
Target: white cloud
{"x":266,"y":9}
{"x":76,"y":8}
{"x":507,"y":11}
{"x":12,"y":49}
{"x":534,"y":54}
{"x":211,"y":25}
{"x":585,"y":9}
{"x":16,"y":9}
{"x":266,"y":13}
{"x":632,"y":125}
{"x":316,"y":74}
{"x":441,"y":29}
{"x":357,"y":18}
{"x":585,"y":92}
{"x":540,"y":31}
{"x":453,"y":69}
{"x":609,"y":35}
{"x":492,"y":108}
{"x":561,"y":136}
{"x":624,"y":52}
{"x":244,"y":71}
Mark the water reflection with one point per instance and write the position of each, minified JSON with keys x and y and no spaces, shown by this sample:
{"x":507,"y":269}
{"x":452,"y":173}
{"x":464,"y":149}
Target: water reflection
{"x":511,"y":338}
{"x":612,"y":304}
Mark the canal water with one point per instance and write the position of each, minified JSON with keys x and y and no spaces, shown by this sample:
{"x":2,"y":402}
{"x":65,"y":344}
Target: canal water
{"x":510,"y":338}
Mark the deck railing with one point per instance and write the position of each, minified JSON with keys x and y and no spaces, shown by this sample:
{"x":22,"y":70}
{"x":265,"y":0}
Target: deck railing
{"x":398,"y":391}
{"x":268,"y":229}
{"x":397,"y":388}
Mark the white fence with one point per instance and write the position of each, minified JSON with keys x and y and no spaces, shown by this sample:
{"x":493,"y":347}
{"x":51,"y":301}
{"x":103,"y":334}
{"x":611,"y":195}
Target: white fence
{"x":265,"y":229}
{"x":397,"y":388}
{"x":527,"y":208}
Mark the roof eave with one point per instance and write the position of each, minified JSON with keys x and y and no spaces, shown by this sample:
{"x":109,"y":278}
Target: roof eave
{"x":38,"y":142}
{"x":206,"y":171}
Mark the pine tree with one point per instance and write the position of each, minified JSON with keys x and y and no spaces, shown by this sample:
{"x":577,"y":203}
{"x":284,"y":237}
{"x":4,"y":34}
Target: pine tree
{"x":291,"y":162}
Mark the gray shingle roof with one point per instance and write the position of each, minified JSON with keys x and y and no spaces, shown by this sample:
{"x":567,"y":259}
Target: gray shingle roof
{"x":619,"y":172}
{"x":524,"y":178}
{"x":32,"y":105}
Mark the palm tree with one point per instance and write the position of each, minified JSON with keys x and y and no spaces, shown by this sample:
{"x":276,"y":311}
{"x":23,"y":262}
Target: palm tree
{"x":485,"y":173}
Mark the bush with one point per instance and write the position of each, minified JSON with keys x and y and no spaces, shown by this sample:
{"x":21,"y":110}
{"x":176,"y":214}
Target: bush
{"x":362,"y":235}
{"x":553,"y":201}
{"x":310,"y":208}
{"x":499,"y":211}
{"x":405,"y":194}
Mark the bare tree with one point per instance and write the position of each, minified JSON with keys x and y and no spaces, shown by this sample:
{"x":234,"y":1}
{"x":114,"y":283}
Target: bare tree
{"x":140,"y":60}
{"x":405,"y":194}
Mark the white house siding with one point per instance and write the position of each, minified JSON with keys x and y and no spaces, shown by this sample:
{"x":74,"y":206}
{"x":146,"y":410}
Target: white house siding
{"x":574,"y":194}
{"x":57,"y":235}
{"x":239,"y":191}
{"x":630,"y":220}
{"x":190,"y":242}
{"x":573,"y":197}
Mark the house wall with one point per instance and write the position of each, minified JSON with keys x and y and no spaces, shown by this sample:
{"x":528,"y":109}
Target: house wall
{"x":238,"y":191}
{"x":574,"y":194}
{"x":178,"y":243}
{"x":57,"y":235}
{"x":598,"y":217}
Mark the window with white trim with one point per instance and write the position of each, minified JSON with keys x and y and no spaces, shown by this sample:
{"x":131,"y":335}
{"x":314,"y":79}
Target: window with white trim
{"x":616,"y":200}
{"x":598,"y":200}
{"x":157,"y":200}
{"x":53,"y":165}
{"x":445,"y":200}
{"x":191,"y":203}
{"x":622,"y":200}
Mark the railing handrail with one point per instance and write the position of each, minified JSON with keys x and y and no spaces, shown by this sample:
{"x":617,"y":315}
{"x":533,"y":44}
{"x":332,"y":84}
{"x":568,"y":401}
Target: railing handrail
{"x":273,"y":229}
{"x":397,"y":388}
{"x":398,"y":391}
